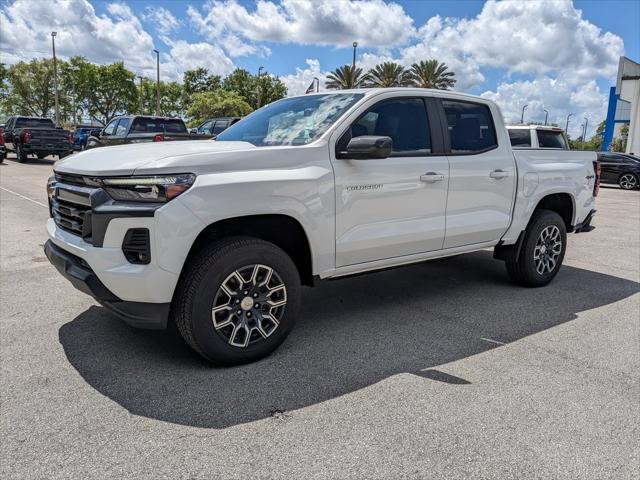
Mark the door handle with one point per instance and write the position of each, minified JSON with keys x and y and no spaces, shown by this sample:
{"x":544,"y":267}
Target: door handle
{"x":431,"y":177}
{"x":498,"y":174}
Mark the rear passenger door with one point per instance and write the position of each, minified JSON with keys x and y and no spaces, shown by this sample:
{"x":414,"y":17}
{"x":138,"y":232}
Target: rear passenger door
{"x":482,"y":174}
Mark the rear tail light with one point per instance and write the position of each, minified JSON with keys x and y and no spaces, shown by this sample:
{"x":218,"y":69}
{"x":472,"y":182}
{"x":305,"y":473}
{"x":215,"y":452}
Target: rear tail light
{"x":25,"y":136}
{"x":596,"y":186}
{"x":1,"y":136}
{"x":158,"y":138}
{"x":70,"y":137}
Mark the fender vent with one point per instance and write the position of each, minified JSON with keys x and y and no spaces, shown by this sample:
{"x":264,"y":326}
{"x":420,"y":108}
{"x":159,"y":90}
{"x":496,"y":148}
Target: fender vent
{"x":136,"y":247}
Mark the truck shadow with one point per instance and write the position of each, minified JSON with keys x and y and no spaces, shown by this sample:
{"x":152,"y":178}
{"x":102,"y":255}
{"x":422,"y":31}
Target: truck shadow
{"x":351,"y":334}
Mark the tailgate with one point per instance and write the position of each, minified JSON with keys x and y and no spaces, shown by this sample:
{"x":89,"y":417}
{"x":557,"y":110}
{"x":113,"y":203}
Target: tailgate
{"x":44,"y":137}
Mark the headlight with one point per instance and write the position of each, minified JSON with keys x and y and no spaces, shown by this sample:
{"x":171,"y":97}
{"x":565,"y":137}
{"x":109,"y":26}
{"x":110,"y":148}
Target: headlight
{"x":147,"y":189}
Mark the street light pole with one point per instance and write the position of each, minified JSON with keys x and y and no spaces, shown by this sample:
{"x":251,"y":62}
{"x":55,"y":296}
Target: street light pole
{"x":566,"y":127}
{"x":546,"y":116}
{"x":586,"y":123}
{"x":522,"y":116}
{"x":140,"y":96}
{"x":157,"y":82}
{"x":55,"y":76}
{"x":258,"y":86}
{"x":353,"y":63}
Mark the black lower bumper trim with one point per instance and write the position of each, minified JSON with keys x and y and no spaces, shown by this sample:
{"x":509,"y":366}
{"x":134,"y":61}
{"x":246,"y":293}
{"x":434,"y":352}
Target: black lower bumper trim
{"x":585,"y":225}
{"x":137,"y":314}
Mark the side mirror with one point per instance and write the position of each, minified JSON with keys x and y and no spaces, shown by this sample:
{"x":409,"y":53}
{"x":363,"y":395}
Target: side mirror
{"x":368,"y":146}
{"x":95,"y":133}
{"x":193,"y":131}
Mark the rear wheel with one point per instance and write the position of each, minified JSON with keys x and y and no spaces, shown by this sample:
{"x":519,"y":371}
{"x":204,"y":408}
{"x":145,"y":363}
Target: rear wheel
{"x":21,"y":155}
{"x":628,"y":181}
{"x":542,"y":250}
{"x":237,"y":300}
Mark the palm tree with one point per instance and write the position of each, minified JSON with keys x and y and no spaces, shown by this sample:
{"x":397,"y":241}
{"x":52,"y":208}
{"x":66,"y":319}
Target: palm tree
{"x":345,"y":77}
{"x":388,"y":74}
{"x":431,"y":74}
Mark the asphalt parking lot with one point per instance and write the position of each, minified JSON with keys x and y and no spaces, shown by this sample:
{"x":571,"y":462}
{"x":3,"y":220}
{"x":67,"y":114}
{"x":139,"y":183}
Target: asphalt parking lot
{"x":442,"y":369}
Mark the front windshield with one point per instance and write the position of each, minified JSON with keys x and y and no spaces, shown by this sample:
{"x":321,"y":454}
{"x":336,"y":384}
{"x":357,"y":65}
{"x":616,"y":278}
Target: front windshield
{"x":291,"y":121}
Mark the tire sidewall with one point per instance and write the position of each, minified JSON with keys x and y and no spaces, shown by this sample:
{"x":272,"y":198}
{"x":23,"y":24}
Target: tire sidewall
{"x":542,"y":220}
{"x":209,"y":341}
{"x":20,"y":154}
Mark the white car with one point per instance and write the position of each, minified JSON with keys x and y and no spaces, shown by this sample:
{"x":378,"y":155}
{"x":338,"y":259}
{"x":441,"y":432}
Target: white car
{"x":537,"y":136}
{"x":219,"y":236}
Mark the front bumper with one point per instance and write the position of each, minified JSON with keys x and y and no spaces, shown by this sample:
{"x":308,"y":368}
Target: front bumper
{"x":79,"y":273}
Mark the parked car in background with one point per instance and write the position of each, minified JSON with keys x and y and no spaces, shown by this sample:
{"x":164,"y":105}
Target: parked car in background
{"x":3,"y":150}
{"x":537,"y":136}
{"x":221,"y":235}
{"x":140,"y":129}
{"x":36,"y":136}
{"x":82,"y":134}
{"x":621,"y":169}
{"x":215,"y":126}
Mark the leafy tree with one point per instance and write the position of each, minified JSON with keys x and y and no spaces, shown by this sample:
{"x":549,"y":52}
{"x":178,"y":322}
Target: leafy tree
{"x":241,"y":82}
{"x":388,"y":74}
{"x":112,"y":91}
{"x":171,"y":98}
{"x":431,"y":74}
{"x":199,"y":80}
{"x":346,"y":77}
{"x":31,"y":91}
{"x":220,"y":103}
{"x":268,"y":89}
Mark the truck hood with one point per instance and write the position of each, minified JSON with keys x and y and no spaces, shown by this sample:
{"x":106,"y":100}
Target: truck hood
{"x":126,"y":159}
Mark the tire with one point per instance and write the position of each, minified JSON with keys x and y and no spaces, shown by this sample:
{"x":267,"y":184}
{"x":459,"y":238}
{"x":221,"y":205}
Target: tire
{"x":82,"y":147}
{"x":212,"y":280}
{"x":628,"y":181}
{"x":20,"y":154}
{"x":545,"y":230}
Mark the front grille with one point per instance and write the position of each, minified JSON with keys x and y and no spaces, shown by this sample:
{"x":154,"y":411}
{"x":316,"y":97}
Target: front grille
{"x":72,"y":217}
{"x":70,"y":178}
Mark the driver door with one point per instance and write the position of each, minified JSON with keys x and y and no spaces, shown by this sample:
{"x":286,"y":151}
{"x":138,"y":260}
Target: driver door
{"x":395,"y":206}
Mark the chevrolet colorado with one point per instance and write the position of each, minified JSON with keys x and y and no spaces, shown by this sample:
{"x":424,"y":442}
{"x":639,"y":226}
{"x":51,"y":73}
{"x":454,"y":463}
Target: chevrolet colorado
{"x":219,"y":236}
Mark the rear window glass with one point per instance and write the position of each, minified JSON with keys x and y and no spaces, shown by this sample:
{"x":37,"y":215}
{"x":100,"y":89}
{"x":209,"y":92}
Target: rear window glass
{"x":34,"y":123}
{"x":551,"y":139}
{"x":520,"y":138}
{"x":158,"y":125}
{"x":470,"y":126}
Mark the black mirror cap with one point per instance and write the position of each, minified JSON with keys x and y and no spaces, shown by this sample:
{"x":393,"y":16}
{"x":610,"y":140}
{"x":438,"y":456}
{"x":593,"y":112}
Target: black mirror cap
{"x":368,"y":146}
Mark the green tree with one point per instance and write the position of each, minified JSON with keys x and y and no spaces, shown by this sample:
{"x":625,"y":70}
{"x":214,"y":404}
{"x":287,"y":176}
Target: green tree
{"x":197,"y":81}
{"x":112,"y":91}
{"x":431,"y":74}
{"x":256,"y":91}
{"x":220,"y":103}
{"x":388,"y":74}
{"x":31,"y":91}
{"x":241,"y":82}
{"x":171,"y":98}
{"x":346,"y":77}
{"x":268,"y":89}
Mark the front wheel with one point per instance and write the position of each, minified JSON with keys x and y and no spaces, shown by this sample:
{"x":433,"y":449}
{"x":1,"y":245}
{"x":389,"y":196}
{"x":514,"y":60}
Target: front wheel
{"x":628,"y":181}
{"x":237,"y":300}
{"x":542,"y":250}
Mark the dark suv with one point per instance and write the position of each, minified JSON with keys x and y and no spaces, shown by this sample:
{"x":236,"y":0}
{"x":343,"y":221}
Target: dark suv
{"x":620,"y":168}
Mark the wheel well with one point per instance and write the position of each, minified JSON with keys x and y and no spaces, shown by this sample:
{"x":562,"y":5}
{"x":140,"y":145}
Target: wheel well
{"x":562,"y":204}
{"x":281,"y":230}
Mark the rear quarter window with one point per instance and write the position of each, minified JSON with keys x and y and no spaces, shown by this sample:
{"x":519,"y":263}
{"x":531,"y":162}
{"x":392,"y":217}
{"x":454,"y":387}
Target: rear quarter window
{"x":520,"y":138}
{"x":551,"y":139}
{"x":470,"y":126}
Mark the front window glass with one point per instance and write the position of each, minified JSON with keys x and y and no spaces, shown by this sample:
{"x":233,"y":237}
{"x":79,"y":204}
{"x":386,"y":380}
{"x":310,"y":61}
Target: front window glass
{"x":109,"y":129}
{"x":121,"y":129}
{"x":551,"y":139}
{"x":291,"y":121}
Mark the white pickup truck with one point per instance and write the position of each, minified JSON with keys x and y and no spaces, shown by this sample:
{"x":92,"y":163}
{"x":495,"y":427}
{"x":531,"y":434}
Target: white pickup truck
{"x":218,"y":236}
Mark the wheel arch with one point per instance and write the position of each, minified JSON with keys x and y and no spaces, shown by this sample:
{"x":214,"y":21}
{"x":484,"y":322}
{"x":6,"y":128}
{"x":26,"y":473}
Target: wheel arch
{"x":283,"y":231}
{"x":561,"y":203}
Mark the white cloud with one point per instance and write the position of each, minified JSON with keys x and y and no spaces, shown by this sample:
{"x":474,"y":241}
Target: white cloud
{"x":163,"y":20}
{"x":297,"y":83}
{"x":372,"y":23}
{"x":112,"y":37}
{"x":559,"y":96}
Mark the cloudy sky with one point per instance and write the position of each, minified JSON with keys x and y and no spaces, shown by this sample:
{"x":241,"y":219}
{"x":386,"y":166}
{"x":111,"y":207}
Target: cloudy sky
{"x":559,"y":55}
